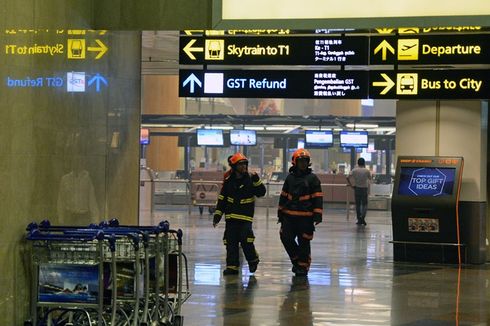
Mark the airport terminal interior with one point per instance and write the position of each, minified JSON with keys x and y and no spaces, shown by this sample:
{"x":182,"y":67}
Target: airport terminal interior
{"x":354,"y":277}
{"x":117,"y":128}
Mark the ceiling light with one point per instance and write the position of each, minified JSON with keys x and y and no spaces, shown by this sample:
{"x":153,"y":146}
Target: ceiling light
{"x":278,"y":128}
{"x":317,"y":128}
{"x":254,"y":128}
{"x":386,"y":129}
{"x":219,"y":127}
{"x":361,"y":125}
{"x":166,"y":125}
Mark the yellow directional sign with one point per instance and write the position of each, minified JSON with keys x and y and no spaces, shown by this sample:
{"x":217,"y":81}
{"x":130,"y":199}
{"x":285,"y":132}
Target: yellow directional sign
{"x":408,"y":49}
{"x":76,"y":49}
{"x":387,"y":84}
{"x":215,"y":32}
{"x":188,"y":49}
{"x":101,"y":48}
{"x":385,"y":30}
{"x":408,"y":30}
{"x":194,"y":31}
{"x":215,"y":50}
{"x":384,"y":47}
{"x":406,"y":84}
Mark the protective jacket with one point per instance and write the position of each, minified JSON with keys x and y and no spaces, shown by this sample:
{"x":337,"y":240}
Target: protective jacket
{"x":237,"y":197}
{"x":301,"y":196}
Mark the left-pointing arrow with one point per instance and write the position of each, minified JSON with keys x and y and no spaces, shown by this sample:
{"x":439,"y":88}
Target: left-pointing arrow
{"x":188,"y":49}
{"x":387,"y":84}
{"x":191,"y":80}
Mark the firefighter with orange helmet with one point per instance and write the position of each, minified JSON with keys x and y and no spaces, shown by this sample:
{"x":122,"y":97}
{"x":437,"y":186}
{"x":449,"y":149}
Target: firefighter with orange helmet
{"x":236,"y":202}
{"x":300,"y":209}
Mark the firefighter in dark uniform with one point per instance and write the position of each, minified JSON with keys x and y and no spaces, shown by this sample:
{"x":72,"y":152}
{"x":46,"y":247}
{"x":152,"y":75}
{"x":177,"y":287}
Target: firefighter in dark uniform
{"x":237,"y":203}
{"x":300,"y":209}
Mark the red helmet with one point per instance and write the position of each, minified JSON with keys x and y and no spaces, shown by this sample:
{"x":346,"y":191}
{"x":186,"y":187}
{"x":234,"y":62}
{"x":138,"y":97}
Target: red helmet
{"x":300,"y":153}
{"x":237,"y":158}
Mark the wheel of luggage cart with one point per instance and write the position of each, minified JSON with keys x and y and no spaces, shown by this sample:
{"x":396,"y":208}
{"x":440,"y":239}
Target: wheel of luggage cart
{"x":178,"y":320}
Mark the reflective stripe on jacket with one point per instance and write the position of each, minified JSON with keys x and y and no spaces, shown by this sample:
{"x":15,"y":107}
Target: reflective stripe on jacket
{"x":237,"y":197}
{"x":301,"y":195}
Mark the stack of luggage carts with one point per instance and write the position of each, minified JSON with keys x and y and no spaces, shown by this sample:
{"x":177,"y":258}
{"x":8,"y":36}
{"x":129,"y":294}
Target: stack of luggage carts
{"x":107,"y":274}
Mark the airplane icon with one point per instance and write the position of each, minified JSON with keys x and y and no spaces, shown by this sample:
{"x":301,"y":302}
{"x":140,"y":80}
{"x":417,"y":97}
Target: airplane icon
{"x":407,"y":47}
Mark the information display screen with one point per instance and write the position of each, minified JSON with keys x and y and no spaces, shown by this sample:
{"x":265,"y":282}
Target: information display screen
{"x":243,"y":137}
{"x":210,"y":137}
{"x":429,"y":181}
{"x":301,"y":144}
{"x":322,"y":138}
{"x":353,"y":138}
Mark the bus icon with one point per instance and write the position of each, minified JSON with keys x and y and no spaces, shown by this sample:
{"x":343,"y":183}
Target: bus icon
{"x":407,"y":84}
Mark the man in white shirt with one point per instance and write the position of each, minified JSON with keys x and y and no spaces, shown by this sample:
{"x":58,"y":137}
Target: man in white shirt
{"x":359,"y":178}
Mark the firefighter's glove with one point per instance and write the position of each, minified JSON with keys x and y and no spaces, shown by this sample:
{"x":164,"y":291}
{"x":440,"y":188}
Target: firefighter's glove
{"x":255,"y":177}
{"x":280,"y":217}
{"x":317,"y":219}
{"x":216,"y":219}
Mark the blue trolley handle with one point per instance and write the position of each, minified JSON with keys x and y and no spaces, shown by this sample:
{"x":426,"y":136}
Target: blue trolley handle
{"x":37,"y":235}
{"x":163,"y":226}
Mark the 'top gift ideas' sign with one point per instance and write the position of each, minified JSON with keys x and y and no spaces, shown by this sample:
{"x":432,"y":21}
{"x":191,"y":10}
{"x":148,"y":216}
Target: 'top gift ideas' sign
{"x":426,"y":181}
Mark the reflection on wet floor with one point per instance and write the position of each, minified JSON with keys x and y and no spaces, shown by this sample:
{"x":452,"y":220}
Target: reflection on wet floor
{"x":353,"y":279}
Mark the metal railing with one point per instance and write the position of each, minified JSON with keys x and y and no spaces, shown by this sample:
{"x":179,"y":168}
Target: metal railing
{"x":183,"y":188}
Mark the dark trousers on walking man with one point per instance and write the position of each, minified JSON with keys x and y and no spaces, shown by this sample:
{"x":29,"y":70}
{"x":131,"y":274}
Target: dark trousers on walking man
{"x":361,"y":198}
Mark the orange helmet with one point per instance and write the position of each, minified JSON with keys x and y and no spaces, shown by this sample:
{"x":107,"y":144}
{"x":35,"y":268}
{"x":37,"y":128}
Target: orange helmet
{"x":236,"y":158}
{"x":300,"y":153}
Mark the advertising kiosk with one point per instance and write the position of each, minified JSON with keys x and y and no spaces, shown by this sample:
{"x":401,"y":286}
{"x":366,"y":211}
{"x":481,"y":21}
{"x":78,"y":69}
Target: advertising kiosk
{"x":424,"y":209}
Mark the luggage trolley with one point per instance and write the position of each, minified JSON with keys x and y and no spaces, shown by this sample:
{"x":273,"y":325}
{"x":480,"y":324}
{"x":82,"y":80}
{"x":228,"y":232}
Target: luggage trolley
{"x":205,"y":188}
{"x":67,"y":278}
{"x":149,"y":259}
{"x":166,"y":275}
{"x":147,"y":278}
{"x":176,"y":288}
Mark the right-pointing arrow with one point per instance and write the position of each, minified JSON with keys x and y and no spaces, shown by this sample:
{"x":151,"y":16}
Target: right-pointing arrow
{"x":192,"y":79}
{"x":387,"y":84}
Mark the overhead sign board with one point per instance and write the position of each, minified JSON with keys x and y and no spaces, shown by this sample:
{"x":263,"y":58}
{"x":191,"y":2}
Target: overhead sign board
{"x":433,"y":49}
{"x":274,"y":84}
{"x":416,"y":84}
{"x":430,"y":84}
{"x":320,"y":9}
{"x":338,"y":31}
{"x":274,"y":50}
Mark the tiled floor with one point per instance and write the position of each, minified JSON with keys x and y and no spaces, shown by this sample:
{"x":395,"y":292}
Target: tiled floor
{"x":353,"y":279}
